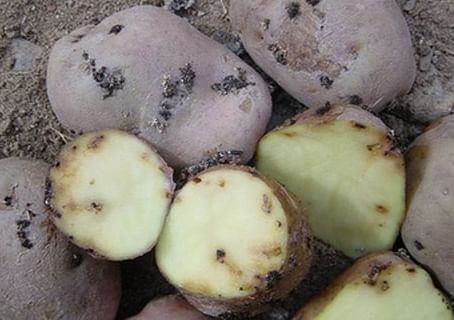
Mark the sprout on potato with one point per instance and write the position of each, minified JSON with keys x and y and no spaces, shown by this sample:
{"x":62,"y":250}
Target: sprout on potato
{"x":342,"y":163}
{"x":342,"y":51}
{"x":109,"y":192}
{"x":234,"y":242}
{"x":42,"y":275}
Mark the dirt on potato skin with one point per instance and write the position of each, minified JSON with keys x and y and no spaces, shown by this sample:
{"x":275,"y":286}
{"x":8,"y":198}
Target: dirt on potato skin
{"x":29,"y":129}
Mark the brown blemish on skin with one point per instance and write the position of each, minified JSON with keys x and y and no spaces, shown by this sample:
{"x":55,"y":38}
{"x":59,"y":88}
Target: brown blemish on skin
{"x":381,"y":209}
{"x":358,"y":125}
{"x":246,"y":105}
{"x":267,"y":205}
{"x":95,"y":142}
{"x":418,"y":245}
{"x":411,"y":270}
{"x":116,"y":29}
{"x":420,"y":152}
{"x":374,"y":273}
{"x":384,"y":286}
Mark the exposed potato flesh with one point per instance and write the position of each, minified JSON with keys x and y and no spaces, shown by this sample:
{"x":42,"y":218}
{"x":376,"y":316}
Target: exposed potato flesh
{"x":234,"y":241}
{"x":109,"y":193}
{"x":380,"y":287}
{"x":348,"y":176}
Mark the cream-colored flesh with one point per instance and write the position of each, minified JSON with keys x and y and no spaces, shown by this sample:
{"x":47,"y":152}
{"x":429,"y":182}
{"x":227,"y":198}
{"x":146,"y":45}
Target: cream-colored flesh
{"x":226,"y":231}
{"x":110,"y":194}
{"x":354,"y":192}
{"x":401,"y":293}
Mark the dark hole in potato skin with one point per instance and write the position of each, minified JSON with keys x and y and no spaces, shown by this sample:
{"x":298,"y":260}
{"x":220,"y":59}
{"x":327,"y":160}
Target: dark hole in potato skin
{"x":116,"y":29}
{"x":220,"y":255}
{"x":323,"y":110}
{"x":381,"y":209}
{"x":76,"y":260}
{"x":359,"y":125}
{"x":313,"y":2}
{"x":8,"y":201}
{"x":326,"y":82}
{"x":293,"y":10}
{"x":418,"y":245}
{"x":356,"y":100}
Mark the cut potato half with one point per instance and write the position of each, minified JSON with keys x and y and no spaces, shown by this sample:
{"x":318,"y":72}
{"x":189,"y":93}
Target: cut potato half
{"x":234,"y":241}
{"x":109,"y":193}
{"x":347,"y":173}
{"x":380,"y":287}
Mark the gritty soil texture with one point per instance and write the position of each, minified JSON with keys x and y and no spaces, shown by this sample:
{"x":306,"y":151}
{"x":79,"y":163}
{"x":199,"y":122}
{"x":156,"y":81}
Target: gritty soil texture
{"x":29,"y":129}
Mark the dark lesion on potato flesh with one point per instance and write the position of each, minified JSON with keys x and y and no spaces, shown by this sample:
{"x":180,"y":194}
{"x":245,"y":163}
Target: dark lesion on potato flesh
{"x":110,"y":80}
{"x":272,"y":278}
{"x":220,"y":157}
{"x":293,"y":9}
{"x":220,"y":255}
{"x":174,"y":91}
{"x":96,"y":142}
{"x":267,"y":205}
{"x":116,"y":29}
{"x":232,"y":84}
{"x":374,"y":273}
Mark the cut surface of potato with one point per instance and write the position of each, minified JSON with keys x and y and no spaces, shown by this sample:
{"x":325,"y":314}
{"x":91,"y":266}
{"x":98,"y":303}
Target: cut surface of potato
{"x":348,"y":176}
{"x":109,"y":193}
{"x":232,"y":234}
{"x":380,"y":287}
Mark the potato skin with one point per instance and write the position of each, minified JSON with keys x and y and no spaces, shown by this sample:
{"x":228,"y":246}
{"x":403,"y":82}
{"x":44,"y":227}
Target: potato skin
{"x":43,"y":276}
{"x":345,"y":51}
{"x":295,"y":268}
{"x":170,"y":307}
{"x":163,"y":80}
{"x":427,"y":230}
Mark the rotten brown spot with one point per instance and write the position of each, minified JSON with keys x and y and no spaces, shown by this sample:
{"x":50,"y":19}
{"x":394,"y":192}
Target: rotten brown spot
{"x":74,"y":148}
{"x":290,"y":134}
{"x":356,"y":100}
{"x":95,"y":142}
{"x":323,"y":110}
{"x":116,"y":29}
{"x":197,"y":180}
{"x":374,"y":273}
{"x":272,"y":278}
{"x":220,"y":255}
{"x":267,"y":205}
{"x":381,"y":209}
{"x":358,"y":125}
{"x":418,"y":245}
{"x":222,"y":183}
{"x":293,"y":10}
{"x":326,"y":82}
{"x":374,"y":147}
{"x":273,"y":252}
{"x":96,"y":206}
{"x":384,"y":285}
{"x":411,"y":270}
{"x":313,"y":2}
{"x":76,"y":260}
{"x":279,"y":224}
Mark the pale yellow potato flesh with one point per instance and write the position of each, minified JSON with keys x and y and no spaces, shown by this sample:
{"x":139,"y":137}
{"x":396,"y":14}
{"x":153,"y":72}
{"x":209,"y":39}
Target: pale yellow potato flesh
{"x":226,"y":231}
{"x":401,"y":293}
{"x":353,"y":192}
{"x":110,"y":193}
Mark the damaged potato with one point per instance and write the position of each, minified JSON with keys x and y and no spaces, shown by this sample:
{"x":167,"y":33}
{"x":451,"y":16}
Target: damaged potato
{"x":379,"y":287}
{"x":234,"y":242}
{"x":428,"y":228}
{"x":42,"y":275}
{"x":344,"y":51}
{"x":169,"y":308}
{"x":109,"y":192}
{"x":148,"y":71}
{"x":343,"y":165}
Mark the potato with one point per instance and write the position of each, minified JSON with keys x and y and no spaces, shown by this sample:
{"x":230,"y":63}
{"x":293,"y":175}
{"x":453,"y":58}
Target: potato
{"x":109,"y":192}
{"x":169,"y":308}
{"x":234,"y":242}
{"x":380,"y":287}
{"x":343,"y":165}
{"x":148,"y":71}
{"x":428,"y":228}
{"x":343,"y":51}
{"x":42,"y":275}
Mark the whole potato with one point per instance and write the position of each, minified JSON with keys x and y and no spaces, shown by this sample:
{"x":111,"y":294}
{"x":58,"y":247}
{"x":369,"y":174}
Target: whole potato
{"x":343,"y":51}
{"x":170,"y":307}
{"x":43,"y":276}
{"x":148,"y":71}
{"x":428,"y":228}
